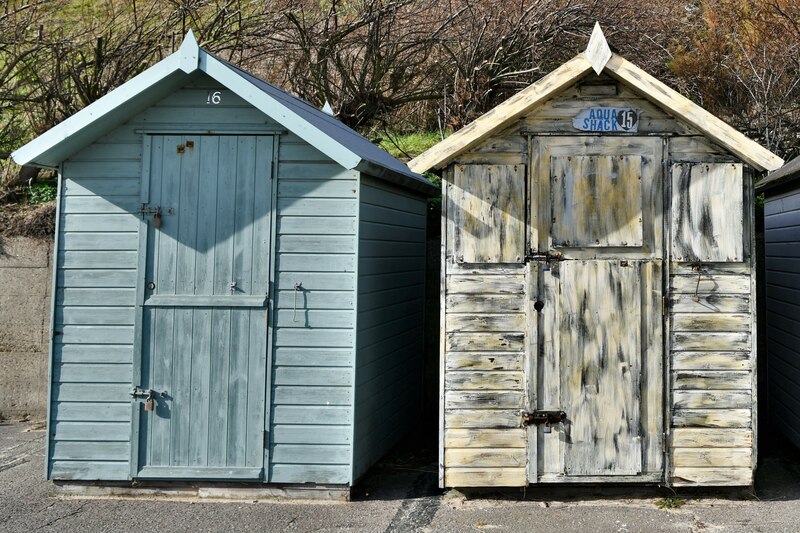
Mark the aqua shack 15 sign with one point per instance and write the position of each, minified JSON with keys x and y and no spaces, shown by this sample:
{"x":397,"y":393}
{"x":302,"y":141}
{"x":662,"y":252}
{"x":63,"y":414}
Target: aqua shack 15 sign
{"x":621,"y":119}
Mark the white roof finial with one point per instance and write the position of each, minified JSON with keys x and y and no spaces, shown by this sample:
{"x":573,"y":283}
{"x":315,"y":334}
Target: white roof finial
{"x":597,"y":51}
{"x":189,"y":53}
{"x":328,"y":109}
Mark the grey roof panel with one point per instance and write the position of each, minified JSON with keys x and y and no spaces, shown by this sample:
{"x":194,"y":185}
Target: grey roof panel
{"x":788,"y":172}
{"x":333,"y":127}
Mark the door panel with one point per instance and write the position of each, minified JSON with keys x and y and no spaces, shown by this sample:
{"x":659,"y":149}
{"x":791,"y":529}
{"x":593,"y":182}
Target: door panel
{"x":597,"y":197}
{"x":600,"y":366}
{"x":204,"y":316}
{"x":599,"y":340}
{"x":597,"y":201}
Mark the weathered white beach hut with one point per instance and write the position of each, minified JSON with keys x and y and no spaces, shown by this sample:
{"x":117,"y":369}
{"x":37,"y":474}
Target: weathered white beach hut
{"x":781,"y":191}
{"x":238,"y":289}
{"x":597,"y":285}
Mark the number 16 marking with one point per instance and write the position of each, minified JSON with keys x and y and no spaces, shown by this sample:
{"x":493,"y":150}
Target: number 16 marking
{"x":214,"y":97}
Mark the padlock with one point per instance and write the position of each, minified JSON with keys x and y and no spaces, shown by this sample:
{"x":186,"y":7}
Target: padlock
{"x":150,"y":405}
{"x":157,"y":220}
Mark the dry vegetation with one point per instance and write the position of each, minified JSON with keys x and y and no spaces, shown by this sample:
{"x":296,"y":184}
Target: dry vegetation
{"x":394,"y":67}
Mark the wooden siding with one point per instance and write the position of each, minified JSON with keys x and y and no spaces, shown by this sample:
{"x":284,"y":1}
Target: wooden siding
{"x":391,"y":291}
{"x":707,"y":212}
{"x":709,"y":335}
{"x":95,"y":298}
{"x":313,"y":327}
{"x":485,"y":443}
{"x":94,"y":310}
{"x":782,"y":243}
{"x":489,"y":213}
{"x":712,"y":363}
{"x":556,"y":115}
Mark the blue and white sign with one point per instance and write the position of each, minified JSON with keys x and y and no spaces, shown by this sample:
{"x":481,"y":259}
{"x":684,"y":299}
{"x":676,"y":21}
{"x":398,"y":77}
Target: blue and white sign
{"x":612,"y":119}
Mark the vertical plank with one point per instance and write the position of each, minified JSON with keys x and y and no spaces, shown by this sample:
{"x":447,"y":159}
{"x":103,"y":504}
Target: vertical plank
{"x":199,"y":393}
{"x":533,"y":192}
{"x":531,"y":357}
{"x":270,"y":334}
{"x":161,"y":347}
{"x":750,"y":237}
{"x":260,"y":285}
{"x":209,"y":148}
{"x":226,"y":206}
{"x":444,"y":250}
{"x":138,"y":334}
{"x":239,"y":351}
{"x":545,"y":198}
{"x":168,"y":232}
{"x":180,"y":392}
{"x":187,"y":216}
{"x":550,"y":448}
{"x":652,"y":372}
{"x":261,"y":216}
{"x":218,"y":387}
{"x":243,"y":216}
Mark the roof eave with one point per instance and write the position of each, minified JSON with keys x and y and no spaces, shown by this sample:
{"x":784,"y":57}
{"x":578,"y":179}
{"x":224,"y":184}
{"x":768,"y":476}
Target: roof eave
{"x":681,"y":107}
{"x":278,"y":112}
{"x":501,"y":116}
{"x":414,"y":182}
{"x":786,"y":174}
{"x":597,"y":57}
{"x":44,"y":150}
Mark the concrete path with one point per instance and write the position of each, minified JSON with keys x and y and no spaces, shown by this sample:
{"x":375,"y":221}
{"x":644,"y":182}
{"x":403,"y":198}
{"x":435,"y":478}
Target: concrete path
{"x":398,"y":496}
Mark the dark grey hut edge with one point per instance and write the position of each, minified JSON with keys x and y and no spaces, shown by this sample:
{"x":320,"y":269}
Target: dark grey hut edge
{"x":782,"y":281}
{"x":375,"y":161}
{"x":784,"y":175}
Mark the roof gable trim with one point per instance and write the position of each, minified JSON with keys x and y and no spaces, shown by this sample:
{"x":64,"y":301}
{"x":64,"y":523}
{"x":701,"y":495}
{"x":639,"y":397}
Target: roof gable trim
{"x":189,"y":53}
{"x":681,"y":107}
{"x":91,"y":114}
{"x":597,"y":51}
{"x":597,"y":57}
{"x":512,"y":109}
{"x":276,"y":110}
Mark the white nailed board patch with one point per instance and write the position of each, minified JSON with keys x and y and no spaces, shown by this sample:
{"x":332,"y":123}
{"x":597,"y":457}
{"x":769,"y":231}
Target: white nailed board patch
{"x":613,"y":119}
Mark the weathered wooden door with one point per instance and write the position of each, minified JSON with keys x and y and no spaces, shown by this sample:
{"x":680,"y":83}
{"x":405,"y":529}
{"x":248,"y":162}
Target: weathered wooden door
{"x":206,"y":262}
{"x":596,"y":312}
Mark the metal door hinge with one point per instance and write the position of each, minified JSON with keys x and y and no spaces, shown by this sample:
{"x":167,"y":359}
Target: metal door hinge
{"x":547,"y":256}
{"x":664,"y":441}
{"x":147,"y":211}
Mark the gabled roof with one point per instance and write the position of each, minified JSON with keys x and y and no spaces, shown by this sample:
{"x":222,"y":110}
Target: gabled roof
{"x":787,"y":173}
{"x":597,"y":57}
{"x":324,"y":132}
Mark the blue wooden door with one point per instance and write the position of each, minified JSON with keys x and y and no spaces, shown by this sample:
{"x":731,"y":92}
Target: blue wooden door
{"x":204,"y":309}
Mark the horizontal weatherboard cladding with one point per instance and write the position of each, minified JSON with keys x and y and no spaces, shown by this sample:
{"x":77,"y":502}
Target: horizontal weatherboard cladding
{"x":313,"y":324}
{"x":782,"y":269}
{"x":391,"y":290}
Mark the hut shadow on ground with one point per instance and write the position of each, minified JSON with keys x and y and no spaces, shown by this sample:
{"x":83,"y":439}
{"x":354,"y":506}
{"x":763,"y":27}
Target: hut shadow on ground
{"x":410,"y":471}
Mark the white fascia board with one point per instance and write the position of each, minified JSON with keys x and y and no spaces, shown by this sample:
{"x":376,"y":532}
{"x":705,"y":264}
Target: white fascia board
{"x":94,"y":112}
{"x":278,"y":112}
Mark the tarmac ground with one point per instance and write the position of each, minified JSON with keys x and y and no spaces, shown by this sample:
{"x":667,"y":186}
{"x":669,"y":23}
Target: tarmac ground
{"x":401,"y":495}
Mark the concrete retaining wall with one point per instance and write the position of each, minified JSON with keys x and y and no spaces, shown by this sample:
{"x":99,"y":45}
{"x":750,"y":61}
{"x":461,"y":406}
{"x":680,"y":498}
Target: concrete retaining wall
{"x":25,"y":282}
